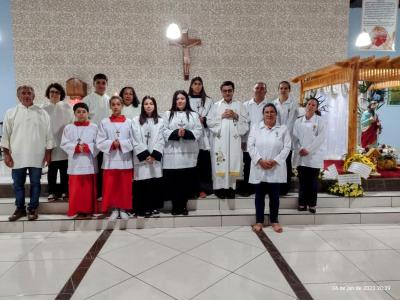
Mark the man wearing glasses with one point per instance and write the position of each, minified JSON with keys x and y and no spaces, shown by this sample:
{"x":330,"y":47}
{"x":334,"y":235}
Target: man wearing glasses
{"x":228,"y":124}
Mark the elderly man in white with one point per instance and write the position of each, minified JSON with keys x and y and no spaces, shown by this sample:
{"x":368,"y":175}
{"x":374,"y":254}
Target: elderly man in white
{"x":27,"y":142}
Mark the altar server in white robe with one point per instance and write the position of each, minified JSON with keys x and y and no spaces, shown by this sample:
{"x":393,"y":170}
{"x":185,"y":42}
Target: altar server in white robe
{"x":287,"y":108}
{"x":61,"y":114}
{"x":227,"y":124}
{"x":269,"y":145}
{"x":27,"y":142}
{"x":147,"y":157}
{"x":98,"y":103}
{"x":181,"y":133}
{"x":131,"y":106}
{"x":201,"y":103}
{"x":254,"y":108}
{"x":79,"y":142}
{"x":309,"y":136}
{"x":115,"y":140}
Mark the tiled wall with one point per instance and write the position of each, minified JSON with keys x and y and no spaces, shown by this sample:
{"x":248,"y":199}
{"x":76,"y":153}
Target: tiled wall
{"x":243,"y":41}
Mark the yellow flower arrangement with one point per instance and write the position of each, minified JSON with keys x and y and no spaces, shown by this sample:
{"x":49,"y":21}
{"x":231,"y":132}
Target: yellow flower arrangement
{"x":347,"y":190}
{"x":358,"y":158}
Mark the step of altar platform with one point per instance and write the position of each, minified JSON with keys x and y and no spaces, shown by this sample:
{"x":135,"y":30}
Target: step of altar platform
{"x":373,"y":208}
{"x":207,"y":218}
{"x":370,"y":199}
{"x":369,"y":185}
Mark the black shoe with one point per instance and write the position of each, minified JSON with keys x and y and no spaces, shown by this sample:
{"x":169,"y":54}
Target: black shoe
{"x":156,"y":212}
{"x":302,"y":208}
{"x":312,"y":210}
{"x":174,"y":212}
{"x":18,"y":213}
{"x":185,"y":211}
{"x":147,"y":214}
{"x":220,"y":194}
{"x":230,"y":194}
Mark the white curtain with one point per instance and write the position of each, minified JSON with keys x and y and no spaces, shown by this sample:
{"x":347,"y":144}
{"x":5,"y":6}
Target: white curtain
{"x":336,"y":116}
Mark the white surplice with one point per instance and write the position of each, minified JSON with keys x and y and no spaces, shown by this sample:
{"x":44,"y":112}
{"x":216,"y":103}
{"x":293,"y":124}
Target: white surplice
{"x":110,"y":131}
{"x":203,"y":111}
{"x":310,"y":135}
{"x":265,"y":143}
{"x":27,"y":134}
{"x":183,"y":153}
{"x":148,"y":136}
{"x":226,"y":153}
{"x":99,"y":107}
{"x":61,"y":114}
{"x":80,"y":163}
{"x":130,"y":111}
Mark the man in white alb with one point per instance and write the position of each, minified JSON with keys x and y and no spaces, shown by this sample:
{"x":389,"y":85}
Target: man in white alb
{"x":99,"y":109}
{"x":254,"y":109}
{"x":27,"y":142}
{"x":227,"y":123}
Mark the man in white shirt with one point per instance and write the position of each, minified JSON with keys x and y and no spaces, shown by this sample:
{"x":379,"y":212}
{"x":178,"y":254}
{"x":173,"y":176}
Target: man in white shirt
{"x":99,"y":109}
{"x":227,"y":124}
{"x":287,"y":114}
{"x":254,"y":109}
{"x":27,"y":142}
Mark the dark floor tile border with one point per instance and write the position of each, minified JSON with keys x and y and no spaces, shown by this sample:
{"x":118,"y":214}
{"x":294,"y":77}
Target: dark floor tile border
{"x":290,"y":276}
{"x":73,"y":282}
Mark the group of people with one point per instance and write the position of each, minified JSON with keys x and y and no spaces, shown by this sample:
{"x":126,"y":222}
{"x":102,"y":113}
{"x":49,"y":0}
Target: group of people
{"x":121,"y":151}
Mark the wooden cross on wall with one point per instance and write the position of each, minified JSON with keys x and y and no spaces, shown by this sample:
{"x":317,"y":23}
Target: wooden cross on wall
{"x":186,"y":43}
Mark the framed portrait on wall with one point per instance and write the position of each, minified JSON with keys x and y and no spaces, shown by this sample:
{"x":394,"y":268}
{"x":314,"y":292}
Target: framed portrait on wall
{"x":394,"y":96}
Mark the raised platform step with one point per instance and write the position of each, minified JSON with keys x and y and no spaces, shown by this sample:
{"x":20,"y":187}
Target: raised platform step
{"x":370,"y":199}
{"x":206,"y":218}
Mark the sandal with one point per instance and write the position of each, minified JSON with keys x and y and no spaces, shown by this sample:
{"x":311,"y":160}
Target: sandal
{"x":51,"y":198}
{"x":257,"y":227}
{"x":276,"y":227}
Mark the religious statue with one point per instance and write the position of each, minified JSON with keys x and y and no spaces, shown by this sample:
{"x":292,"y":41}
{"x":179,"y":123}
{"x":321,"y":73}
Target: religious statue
{"x":370,"y":126}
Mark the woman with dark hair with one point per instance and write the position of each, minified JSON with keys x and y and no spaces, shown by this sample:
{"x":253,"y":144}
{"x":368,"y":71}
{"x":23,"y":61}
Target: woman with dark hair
{"x":61,"y":114}
{"x":131,"y":102}
{"x":147,"y":158}
{"x":182,"y":132}
{"x":309,"y":134}
{"x":287,"y":108}
{"x":268,"y":145}
{"x":201,"y":103}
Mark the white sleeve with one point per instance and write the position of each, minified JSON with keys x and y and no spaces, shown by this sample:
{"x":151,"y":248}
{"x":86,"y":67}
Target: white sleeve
{"x":102,"y":141}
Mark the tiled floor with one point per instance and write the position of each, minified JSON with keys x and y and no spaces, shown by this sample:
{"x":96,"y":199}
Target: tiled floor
{"x":331,"y":261}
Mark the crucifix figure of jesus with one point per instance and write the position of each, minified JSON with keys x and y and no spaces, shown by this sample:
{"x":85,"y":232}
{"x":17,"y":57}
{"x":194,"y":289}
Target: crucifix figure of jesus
{"x":186,"y":43}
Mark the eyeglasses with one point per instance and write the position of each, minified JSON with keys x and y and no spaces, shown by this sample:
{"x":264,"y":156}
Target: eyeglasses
{"x":54,"y":92}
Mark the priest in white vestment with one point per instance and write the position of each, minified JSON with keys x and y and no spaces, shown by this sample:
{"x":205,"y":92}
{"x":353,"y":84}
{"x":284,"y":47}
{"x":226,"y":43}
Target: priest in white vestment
{"x":27,"y":142}
{"x":227,"y":124}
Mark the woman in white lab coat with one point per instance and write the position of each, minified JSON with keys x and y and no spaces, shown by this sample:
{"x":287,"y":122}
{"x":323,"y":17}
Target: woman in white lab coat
{"x":309,"y":134}
{"x":268,"y":145}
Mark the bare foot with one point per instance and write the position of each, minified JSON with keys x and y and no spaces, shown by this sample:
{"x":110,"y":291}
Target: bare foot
{"x":277,"y":227}
{"x":257,"y":227}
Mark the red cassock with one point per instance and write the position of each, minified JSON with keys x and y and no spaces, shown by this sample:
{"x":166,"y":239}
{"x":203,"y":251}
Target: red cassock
{"x":117,"y":189}
{"x":82,"y":194}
